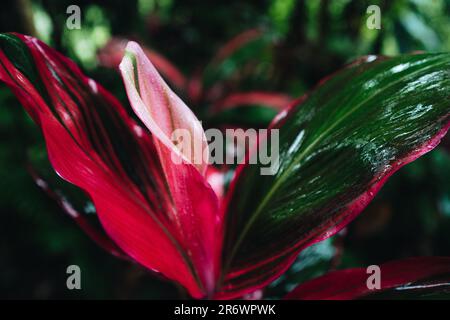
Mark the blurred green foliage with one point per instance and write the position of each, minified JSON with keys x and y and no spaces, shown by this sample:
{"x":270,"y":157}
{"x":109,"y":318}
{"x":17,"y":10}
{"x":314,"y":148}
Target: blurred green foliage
{"x":308,"y":40}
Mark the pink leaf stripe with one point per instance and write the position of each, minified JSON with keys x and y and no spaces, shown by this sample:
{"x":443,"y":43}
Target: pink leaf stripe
{"x":352,"y":283}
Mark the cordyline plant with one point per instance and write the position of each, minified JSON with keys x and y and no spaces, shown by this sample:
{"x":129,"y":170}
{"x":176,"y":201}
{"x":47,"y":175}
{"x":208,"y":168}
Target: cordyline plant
{"x":338,"y":146}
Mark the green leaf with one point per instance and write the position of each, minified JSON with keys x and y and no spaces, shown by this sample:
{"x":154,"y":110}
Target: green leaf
{"x":336,"y":150}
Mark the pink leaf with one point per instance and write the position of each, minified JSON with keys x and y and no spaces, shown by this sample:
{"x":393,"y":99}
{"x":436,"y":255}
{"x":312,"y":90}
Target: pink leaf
{"x":273,"y":100}
{"x":160,"y":109}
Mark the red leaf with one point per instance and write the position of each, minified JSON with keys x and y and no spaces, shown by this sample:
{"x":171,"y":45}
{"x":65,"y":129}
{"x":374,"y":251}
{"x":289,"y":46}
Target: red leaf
{"x":351,"y":283}
{"x":161,"y":110}
{"x":95,"y":145}
{"x":163,"y":113}
{"x":99,"y":238}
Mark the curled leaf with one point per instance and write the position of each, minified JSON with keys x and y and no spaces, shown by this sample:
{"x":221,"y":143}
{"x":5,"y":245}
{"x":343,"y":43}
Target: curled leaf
{"x":160,"y":109}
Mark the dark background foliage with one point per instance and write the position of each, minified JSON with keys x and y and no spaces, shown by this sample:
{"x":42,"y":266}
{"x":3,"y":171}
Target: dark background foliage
{"x":310,"y":39}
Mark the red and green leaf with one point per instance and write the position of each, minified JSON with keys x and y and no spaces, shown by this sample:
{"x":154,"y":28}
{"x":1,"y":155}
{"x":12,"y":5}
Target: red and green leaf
{"x":422,"y":275}
{"x":112,"y":53}
{"x":338,"y":146}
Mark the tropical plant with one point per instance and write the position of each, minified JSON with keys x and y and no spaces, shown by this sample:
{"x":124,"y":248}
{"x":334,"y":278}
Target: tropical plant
{"x":338,"y":145}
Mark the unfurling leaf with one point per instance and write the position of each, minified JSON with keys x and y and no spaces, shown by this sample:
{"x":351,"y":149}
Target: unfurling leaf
{"x":161,"y":110}
{"x":112,"y":53}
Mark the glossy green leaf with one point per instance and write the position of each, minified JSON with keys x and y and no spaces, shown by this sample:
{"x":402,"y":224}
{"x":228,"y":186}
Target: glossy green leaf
{"x":336,"y":150}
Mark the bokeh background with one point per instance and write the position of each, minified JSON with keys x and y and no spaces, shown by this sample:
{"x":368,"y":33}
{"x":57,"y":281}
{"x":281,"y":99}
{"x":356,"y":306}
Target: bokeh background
{"x":302,"y":42}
